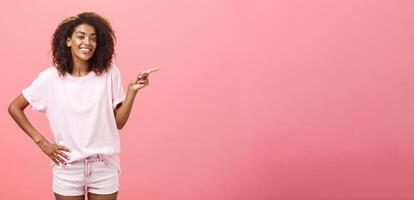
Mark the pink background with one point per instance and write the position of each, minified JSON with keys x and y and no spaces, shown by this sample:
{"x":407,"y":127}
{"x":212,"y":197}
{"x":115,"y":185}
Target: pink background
{"x":254,"y":100}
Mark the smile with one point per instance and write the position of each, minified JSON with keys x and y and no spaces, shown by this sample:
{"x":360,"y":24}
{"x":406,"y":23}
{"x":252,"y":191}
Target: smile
{"x":86,"y":50}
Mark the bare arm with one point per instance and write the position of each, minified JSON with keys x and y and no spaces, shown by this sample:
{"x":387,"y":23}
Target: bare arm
{"x":123,"y":110}
{"x":16,"y":110}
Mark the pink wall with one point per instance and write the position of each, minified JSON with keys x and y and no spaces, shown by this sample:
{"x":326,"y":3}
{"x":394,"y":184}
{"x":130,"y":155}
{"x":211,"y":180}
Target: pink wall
{"x":254,"y":100}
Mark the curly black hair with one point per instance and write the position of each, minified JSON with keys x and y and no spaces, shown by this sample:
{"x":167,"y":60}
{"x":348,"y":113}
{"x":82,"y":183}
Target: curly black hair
{"x":102,"y":58}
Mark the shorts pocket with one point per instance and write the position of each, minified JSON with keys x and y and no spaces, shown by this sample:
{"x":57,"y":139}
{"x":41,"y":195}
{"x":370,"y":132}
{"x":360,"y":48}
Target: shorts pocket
{"x":112,"y":163}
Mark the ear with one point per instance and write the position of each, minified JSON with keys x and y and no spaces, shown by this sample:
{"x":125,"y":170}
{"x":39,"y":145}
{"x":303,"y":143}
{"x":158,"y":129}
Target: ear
{"x":68,"y":42}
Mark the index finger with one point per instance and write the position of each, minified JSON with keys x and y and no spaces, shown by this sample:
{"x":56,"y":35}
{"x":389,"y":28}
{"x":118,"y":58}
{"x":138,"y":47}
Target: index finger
{"x":64,"y":148}
{"x":147,"y":72}
{"x":150,"y":70}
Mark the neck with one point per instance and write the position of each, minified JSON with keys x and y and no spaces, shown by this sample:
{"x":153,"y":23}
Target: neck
{"x":80,"y":68}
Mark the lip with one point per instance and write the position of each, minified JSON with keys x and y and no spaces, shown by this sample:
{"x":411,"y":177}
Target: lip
{"x":85,"y":50}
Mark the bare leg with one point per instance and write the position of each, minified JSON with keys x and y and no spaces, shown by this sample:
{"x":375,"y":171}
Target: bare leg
{"x":60,"y":197}
{"x":92,"y":196}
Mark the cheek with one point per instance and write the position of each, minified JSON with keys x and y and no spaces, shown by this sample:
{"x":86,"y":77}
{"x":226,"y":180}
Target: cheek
{"x":78,"y":42}
{"x":73,"y":47}
{"x":74,"y":44}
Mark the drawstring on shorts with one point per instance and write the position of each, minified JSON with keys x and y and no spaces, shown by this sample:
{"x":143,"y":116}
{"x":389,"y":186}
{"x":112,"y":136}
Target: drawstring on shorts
{"x":88,"y":161}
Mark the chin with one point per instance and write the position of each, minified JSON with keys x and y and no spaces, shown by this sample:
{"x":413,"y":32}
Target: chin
{"x":84,"y":58}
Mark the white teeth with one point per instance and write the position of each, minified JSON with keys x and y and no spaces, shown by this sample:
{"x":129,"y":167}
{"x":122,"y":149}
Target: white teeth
{"x":84,"y":49}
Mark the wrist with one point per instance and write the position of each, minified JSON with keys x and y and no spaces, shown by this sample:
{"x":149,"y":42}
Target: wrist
{"x":132,"y":92}
{"x":39,"y":139}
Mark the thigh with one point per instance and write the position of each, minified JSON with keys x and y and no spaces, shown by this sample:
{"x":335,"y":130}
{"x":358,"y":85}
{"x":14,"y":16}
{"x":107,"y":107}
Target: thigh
{"x":92,"y":196}
{"x":61,"y":197}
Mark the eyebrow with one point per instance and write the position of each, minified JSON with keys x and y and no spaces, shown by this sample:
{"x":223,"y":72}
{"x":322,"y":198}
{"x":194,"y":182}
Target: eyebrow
{"x":85,"y":33}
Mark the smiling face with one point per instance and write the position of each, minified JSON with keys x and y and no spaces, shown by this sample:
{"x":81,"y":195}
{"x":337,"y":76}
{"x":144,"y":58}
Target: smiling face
{"x":82,"y":42}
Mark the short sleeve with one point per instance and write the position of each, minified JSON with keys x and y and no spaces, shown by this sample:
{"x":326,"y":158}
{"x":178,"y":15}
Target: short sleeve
{"x":37,"y":92}
{"x":118,"y":94}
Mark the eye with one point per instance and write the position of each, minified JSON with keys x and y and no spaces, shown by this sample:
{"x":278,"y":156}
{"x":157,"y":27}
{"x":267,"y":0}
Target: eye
{"x":81,"y":37}
{"x":93,"y":39}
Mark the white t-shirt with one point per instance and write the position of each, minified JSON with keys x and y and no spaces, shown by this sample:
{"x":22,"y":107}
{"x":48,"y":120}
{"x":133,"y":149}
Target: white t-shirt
{"x":80,"y":110}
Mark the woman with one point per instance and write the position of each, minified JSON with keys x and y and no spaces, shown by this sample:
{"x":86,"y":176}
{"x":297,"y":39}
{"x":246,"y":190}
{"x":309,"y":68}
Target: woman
{"x":83,"y":99}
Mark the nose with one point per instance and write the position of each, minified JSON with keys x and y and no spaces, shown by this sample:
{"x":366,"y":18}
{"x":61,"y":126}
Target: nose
{"x":86,"y":40}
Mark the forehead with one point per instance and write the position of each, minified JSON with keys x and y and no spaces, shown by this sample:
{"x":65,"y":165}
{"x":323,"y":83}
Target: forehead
{"x":85,"y":29}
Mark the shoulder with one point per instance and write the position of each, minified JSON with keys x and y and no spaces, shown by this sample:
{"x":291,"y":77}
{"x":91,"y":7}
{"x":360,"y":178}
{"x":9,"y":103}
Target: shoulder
{"x":49,"y":72}
{"x":113,"y":69}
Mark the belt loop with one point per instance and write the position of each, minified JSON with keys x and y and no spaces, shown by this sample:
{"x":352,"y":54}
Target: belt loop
{"x":100,"y":157}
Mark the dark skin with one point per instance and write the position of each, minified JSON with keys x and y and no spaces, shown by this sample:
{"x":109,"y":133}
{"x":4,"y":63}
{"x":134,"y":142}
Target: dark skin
{"x":91,"y":196}
{"x":84,"y":38}
{"x":54,"y":151}
{"x":57,"y":152}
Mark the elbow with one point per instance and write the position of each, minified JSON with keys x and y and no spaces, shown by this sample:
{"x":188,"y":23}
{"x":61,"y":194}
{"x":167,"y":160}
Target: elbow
{"x":14,"y":109}
{"x":11,"y":110}
{"x":17,"y":106}
{"x":119,"y":126}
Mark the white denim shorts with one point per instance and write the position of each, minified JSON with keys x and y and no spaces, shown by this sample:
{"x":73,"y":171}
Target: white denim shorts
{"x":98,"y":174}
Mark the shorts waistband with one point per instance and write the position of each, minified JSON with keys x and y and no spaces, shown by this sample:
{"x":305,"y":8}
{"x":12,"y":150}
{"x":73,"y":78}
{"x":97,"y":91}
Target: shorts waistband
{"x":92,"y":158}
